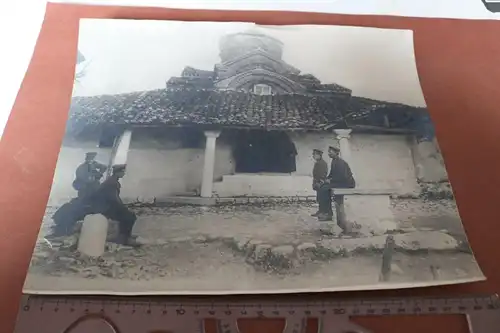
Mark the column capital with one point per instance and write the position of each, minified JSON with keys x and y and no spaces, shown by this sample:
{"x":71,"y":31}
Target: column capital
{"x":212,"y":134}
{"x":343,"y":133}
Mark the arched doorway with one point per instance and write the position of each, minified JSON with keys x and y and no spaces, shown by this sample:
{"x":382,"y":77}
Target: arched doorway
{"x":260,"y":151}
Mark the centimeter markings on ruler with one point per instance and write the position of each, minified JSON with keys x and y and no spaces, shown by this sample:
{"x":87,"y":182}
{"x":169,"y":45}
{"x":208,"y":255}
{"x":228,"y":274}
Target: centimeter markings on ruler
{"x":181,"y":312}
{"x":354,"y":307}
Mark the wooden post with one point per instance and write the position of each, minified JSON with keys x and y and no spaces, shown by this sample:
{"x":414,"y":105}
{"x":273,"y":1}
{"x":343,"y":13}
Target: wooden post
{"x":209,"y":163}
{"x":385,"y":272}
{"x":112,"y":156}
{"x":122,"y":148}
{"x":119,"y":152}
{"x":343,"y":136}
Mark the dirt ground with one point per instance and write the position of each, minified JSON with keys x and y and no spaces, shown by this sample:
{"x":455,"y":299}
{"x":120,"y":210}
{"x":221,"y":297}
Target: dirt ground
{"x":211,"y":268}
{"x":184,"y":251}
{"x":429,"y":215}
{"x":287,"y":223}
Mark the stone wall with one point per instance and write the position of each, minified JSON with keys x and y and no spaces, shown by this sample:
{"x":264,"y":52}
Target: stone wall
{"x":429,"y":163}
{"x":430,"y":170}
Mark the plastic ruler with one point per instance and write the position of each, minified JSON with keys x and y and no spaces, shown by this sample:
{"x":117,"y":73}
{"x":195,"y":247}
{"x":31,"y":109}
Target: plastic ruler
{"x":46,"y":314}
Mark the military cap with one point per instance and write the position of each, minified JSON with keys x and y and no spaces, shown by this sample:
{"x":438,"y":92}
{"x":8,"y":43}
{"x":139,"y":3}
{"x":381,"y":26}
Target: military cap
{"x":317,"y":151}
{"x":335,"y":149}
{"x":119,"y":167}
{"x":91,"y":154}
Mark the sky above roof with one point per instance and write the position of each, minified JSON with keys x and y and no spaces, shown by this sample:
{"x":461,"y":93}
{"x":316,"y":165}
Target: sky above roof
{"x":131,"y":55}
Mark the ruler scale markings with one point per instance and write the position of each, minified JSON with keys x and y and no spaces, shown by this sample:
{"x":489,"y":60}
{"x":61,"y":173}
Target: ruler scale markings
{"x":187,"y":316}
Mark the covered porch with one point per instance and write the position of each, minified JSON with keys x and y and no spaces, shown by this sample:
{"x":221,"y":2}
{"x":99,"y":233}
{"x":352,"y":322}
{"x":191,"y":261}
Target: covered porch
{"x":362,"y":206}
{"x":283,"y":181}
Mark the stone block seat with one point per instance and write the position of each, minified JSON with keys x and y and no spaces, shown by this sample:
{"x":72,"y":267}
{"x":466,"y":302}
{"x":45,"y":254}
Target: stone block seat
{"x":92,"y":239}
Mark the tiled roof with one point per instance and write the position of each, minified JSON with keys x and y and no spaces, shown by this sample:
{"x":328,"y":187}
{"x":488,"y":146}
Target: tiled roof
{"x":369,"y":111}
{"x":194,"y":72}
{"x":209,"y":107}
{"x":190,"y":83}
{"x":333,"y":87}
{"x":206,"y":107}
{"x":313,"y":84}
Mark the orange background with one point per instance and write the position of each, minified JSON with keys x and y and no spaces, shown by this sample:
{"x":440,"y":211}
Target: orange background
{"x":458,"y":66}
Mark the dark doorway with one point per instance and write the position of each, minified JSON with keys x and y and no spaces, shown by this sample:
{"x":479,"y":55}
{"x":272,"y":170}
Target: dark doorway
{"x":264,"y":151}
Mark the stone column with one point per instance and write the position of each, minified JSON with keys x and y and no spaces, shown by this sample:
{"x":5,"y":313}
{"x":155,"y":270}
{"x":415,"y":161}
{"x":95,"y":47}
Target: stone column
{"x":343,"y":136}
{"x":121,"y":152}
{"x":208,"y":166}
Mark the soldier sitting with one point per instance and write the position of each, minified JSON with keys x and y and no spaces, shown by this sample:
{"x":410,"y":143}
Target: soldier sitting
{"x":106,"y":201}
{"x":88,"y":176}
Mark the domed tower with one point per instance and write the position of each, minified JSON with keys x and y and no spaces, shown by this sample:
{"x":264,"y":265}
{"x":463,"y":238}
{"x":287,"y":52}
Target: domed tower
{"x":252,"y":62}
{"x":236,"y":45}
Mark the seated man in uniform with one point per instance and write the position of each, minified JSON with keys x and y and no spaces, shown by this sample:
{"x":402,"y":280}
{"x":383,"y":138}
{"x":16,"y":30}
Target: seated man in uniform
{"x":87,"y":180}
{"x":88,"y":175}
{"x":340,"y":176}
{"x":106,"y":201}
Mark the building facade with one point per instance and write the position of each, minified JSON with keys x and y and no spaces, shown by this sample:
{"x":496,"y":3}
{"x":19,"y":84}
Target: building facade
{"x":247,"y":128}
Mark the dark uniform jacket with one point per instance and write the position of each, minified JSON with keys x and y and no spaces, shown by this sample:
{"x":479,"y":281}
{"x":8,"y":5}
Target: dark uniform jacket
{"x":320,"y":171}
{"x":340,"y":175}
{"x":107,"y":195}
{"x":107,"y":201}
{"x":88,"y":174}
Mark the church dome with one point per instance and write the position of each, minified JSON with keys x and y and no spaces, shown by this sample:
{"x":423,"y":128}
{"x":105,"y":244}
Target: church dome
{"x":235,"y":45}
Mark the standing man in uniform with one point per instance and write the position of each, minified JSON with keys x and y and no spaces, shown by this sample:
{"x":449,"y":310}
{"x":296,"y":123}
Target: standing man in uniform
{"x":88,"y":176}
{"x":340,"y":176}
{"x":106,"y":201}
{"x":320,"y":171}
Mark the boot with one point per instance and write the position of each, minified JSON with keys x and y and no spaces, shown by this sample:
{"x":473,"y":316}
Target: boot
{"x":346,"y":230}
{"x":325,"y":217}
{"x":127,"y":240}
{"x":131,"y":241}
{"x":316,"y":214}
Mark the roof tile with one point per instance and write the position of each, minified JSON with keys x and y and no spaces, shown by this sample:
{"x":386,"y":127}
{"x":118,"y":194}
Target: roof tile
{"x":225,"y":108}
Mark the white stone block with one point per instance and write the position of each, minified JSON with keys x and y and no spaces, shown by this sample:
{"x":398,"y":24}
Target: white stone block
{"x":371,"y":212}
{"x":93,"y":235}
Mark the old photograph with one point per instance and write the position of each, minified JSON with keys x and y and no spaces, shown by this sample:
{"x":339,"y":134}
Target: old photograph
{"x":235,"y":158}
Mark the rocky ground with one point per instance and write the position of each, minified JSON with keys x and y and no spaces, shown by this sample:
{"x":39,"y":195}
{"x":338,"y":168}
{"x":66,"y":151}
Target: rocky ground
{"x":259,"y":248}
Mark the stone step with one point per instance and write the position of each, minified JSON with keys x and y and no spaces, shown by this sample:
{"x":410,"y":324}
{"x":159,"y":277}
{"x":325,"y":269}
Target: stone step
{"x":264,"y":185}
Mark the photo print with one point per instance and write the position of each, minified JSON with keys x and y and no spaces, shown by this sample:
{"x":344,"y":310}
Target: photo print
{"x":231,"y":158}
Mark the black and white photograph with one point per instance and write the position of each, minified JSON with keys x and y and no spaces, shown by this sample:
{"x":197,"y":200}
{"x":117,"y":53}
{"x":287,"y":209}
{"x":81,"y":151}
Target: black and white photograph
{"x":236,"y":158}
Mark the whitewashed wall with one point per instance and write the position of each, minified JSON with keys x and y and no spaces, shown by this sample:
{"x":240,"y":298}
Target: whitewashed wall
{"x":158,"y":168}
{"x":378,"y":162}
{"x":72,"y":154}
